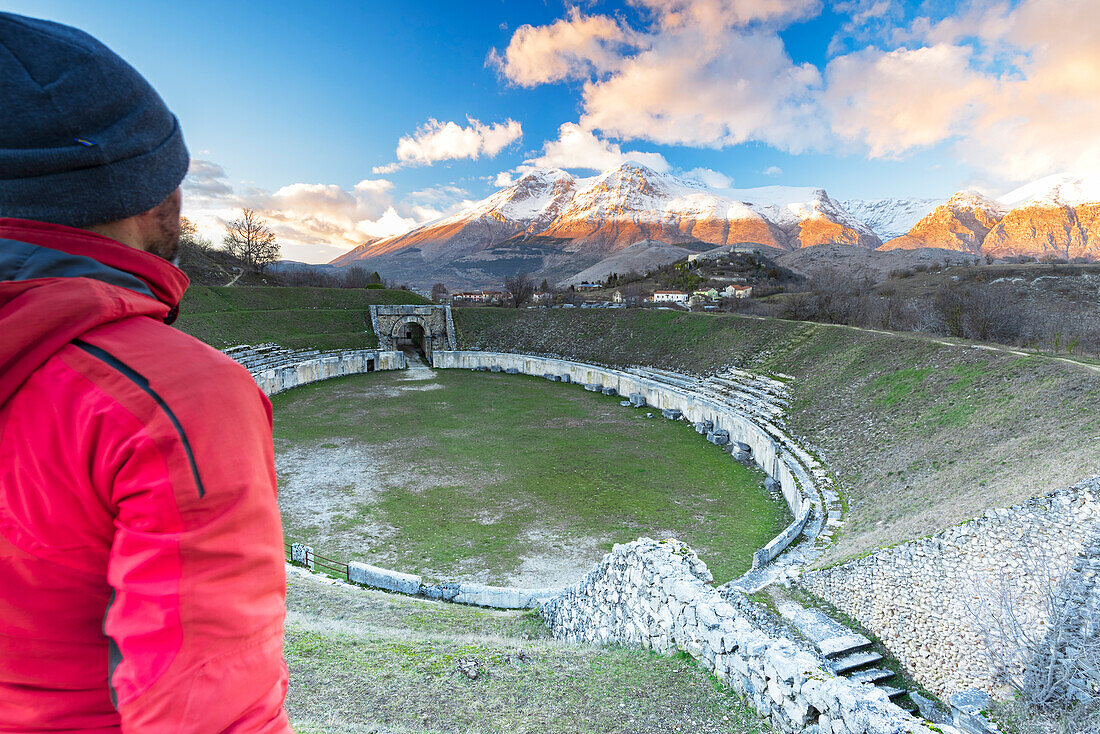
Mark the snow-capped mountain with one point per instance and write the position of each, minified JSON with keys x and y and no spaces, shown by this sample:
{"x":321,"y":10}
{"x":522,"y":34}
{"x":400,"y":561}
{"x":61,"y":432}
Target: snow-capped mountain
{"x":555,"y":225}
{"x":1054,"y":217}
{"x":890,"y":218}
{"x":960,"y":223}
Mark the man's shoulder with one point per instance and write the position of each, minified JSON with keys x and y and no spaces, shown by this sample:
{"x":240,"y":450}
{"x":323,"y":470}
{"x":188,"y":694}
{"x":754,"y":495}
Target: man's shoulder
{"x":172,"y":360}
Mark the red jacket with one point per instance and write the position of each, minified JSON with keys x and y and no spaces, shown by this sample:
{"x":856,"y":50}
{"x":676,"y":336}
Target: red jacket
{"x":142,"y":584}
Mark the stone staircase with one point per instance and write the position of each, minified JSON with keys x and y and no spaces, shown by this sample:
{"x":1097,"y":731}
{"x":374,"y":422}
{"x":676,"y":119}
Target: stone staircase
{"x":846,"y":653}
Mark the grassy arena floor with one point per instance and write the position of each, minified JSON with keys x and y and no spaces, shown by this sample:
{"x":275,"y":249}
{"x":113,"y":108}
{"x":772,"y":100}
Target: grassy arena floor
{"x":364,"y":661}
{"x":503,"y":478}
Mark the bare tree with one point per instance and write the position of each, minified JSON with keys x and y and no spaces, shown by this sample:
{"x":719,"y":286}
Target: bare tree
{"x":190,"y":237}
{"x":521,"y":286}
{"x":250,"y":239}
{"x":439,"y":292}
{"x":1037,"y":633}
{"x":355,"y":277}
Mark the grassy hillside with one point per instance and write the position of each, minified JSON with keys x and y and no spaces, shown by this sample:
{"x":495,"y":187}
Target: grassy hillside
{"x":316,"y":318}
{"x":364,"y":661}
{"x":922,"y":434}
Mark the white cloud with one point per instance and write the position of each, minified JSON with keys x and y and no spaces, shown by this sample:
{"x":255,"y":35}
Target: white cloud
{"x":206,"y":178}
{"x":896,"y":101}
{"x":1014,"y":86}
{"x":772,"y":171}
{"x":504,"y":179}
{"x":315,"y":222}
{"x":386,"y":169}
{"x":571,"y":48}
{"x":440,"y":141}
{"x":720,"y":14}
{"x":709,"y":177}
{"x":577,"y":147}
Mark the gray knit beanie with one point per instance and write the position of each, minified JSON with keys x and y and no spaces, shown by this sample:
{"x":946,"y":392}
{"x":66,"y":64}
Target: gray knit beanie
{"x":84,"y":138}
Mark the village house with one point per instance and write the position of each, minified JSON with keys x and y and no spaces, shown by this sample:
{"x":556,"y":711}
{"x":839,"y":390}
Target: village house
{"x":711,"y":294}
{"x":678,"y":297}
{"x":737,"y":291}
{"x":588,"y":286}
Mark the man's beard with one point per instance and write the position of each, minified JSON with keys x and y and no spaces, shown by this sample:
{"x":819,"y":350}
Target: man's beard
{"x":166,"y":242}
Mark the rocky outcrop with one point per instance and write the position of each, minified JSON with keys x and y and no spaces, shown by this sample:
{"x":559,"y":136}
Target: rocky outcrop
{"x":961,"y":223}
{"x":1047,"y":231}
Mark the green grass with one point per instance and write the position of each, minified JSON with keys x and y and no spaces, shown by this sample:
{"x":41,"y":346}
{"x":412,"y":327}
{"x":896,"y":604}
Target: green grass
{"x":314,"y":318}
{"x":356,"y":662}
{"x":920,"y":434}
{"x":489,"y":469}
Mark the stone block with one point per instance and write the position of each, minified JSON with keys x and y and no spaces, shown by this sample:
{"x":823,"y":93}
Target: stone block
{"x":624,"y":403}
{"x":566,"y":378}
{"x":511,"y":371}
{"x":495,"y":368}
{"x":718,"y":438}
{"x":742,"y":446}
{"x":365,"y":574}
{"x":593,"y":387}
{"x":302,"y":555}
{"x":609,"y":391}
{"x":671,"y":413}
{"x":701,"y":427}
{"x":637,"y":400}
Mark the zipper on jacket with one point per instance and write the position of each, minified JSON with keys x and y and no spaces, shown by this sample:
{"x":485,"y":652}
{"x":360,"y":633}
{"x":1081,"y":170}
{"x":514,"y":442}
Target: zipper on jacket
{"x":138,"y":379}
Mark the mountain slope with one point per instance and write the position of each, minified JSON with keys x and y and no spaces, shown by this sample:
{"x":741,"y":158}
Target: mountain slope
{"x":1058,"y":216}
{"x":890,"y":218}
{"x":961,"y":223}
{"x":554,"y":225}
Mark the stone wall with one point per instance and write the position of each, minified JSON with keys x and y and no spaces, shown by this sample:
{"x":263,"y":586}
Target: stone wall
{"x":325,"y":366}
{"x":658,"y":595}
{"x":778,"y":461}
{"x":924,"y":599}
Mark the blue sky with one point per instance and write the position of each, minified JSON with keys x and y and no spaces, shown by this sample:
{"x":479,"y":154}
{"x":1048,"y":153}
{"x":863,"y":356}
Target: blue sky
{"x":866,"y":98}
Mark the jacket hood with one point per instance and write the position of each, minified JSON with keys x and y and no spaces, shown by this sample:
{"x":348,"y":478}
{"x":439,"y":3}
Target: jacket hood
{"x":57,"y":283}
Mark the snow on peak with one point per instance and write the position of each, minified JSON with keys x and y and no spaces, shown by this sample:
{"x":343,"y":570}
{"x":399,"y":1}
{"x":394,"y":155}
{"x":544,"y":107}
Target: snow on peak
{"x":976,"y":200}
{"x":1061,"y":189}
{"x":890,"y":218}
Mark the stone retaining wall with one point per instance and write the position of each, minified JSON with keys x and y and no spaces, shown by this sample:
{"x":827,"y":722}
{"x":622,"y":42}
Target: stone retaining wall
{"x":921,"y":598}
{"x":776,"y":460}
{"x":658,"y":595}
{"x":337,"y":364}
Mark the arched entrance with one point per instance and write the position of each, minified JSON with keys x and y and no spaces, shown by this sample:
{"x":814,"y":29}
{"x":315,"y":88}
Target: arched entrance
{"x":411,"y":333}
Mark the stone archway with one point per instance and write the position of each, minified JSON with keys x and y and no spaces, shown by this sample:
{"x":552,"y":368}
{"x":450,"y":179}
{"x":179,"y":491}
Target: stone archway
{"x":425,"y":328}
{"x":411,"y":331}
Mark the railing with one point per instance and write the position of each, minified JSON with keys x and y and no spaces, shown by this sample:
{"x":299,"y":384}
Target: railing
{"x":303,"y":555}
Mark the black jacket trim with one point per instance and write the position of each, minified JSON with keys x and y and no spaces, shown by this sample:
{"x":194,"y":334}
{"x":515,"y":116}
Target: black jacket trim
{"x":138,"y":379}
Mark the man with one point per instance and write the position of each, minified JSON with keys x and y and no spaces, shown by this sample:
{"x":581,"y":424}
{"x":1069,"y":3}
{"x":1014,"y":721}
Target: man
{"x":141,"y":566}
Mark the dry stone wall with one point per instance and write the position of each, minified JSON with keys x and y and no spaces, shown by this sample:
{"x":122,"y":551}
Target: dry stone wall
{"x":929,"y":599}
{"x":657,"y":594}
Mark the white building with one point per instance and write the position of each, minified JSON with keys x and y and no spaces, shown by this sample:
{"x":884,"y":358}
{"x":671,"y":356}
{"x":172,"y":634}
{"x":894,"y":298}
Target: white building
{"x":670,"y":297}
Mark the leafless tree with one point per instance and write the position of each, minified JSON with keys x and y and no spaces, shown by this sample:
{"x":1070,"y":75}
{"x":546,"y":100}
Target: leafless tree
{"x":250,"y":239}
{"x":521,"y":287}
{"x":1038,"y":637}
{"x":355,"y":277}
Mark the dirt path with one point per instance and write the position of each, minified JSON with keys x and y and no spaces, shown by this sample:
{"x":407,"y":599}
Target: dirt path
{"x":960,"y":344}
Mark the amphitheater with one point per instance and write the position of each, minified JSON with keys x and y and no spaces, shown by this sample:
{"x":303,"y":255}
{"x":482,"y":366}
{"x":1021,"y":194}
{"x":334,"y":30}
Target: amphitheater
{"x":803,"y":668}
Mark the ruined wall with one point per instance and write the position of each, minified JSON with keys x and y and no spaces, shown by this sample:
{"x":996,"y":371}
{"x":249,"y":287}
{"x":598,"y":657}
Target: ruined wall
{"x":276,"y":379}
{"x":924,"y":599}
{"x":657,"y":594}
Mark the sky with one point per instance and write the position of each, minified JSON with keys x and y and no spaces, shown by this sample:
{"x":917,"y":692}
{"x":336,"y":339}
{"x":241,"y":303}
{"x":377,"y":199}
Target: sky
{"x":341,"y":121}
